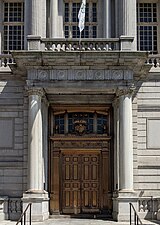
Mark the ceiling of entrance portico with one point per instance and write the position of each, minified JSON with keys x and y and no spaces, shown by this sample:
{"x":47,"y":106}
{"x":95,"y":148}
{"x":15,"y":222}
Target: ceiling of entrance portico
{"x":59,"y":96}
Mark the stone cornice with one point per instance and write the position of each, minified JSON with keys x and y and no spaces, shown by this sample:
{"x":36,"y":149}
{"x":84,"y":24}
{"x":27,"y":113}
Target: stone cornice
{"x":109,"y":60}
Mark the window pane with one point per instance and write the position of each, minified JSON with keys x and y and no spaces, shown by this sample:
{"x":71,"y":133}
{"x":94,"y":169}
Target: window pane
{"x":13,"y":34}
{"x":59,"y":124}
{"x":101,"y":124}
{"x":80,"y":122}
{"x":13,"y":37}
{"x":147,"y":27}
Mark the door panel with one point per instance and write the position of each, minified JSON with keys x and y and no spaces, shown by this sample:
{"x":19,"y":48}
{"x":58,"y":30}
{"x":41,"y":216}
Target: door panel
{"x":90,"y":182}
{"x":70,"y":184}
{"x":80,"y":182}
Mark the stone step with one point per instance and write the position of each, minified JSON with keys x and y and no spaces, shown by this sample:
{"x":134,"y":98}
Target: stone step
{"x":64,"y":220}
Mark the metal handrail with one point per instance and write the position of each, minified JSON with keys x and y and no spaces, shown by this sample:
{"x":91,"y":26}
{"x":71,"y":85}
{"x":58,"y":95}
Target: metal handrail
{"x":22,"y":219}
{"x":137,"y":220}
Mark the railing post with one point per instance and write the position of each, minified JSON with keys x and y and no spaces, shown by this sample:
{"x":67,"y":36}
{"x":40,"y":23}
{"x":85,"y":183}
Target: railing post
{"x":134,"y":218}
{"x":30,"y":220}
{"x":130,"y":214}
{"x":24,"y":215}
{"x":25,"y":218}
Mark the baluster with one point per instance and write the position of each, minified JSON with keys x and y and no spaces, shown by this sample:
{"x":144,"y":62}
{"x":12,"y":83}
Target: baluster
{"x":67,"y":46}
{"x":155,"y":62}
{"x":5,"y":62}
{"x":89,"y":47}
{"x":145,"y":206}
{"x":141,"y":207}
{"x":98,"y":46}
{"x":105,"y":46}
{"x":93,"y":46}
{"x":72,"y":46}
{"x":52,"y":48}
{"x":83,"y":46}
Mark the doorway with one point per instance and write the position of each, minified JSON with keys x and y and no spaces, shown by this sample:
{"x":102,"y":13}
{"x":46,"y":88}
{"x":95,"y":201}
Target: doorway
{"x":81,"y":172}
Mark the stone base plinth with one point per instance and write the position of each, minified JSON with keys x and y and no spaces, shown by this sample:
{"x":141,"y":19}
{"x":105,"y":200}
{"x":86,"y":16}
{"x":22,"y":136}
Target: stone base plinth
{"x":121,"y":207}
{"x":40,"y":205}
{"x":158,"y":216}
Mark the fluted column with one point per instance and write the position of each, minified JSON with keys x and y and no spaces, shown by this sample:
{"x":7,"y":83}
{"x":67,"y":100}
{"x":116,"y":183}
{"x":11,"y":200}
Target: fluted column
{"x":107,"y":19}
{"x":35,"y":18}
{"x":126,"y":14}
{"x":126,"y":143}
{"x":35,"y":142}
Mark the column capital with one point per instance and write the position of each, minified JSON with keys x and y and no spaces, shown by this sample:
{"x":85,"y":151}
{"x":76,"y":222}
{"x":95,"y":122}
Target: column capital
{"x":126,"y":91}
{"x":35,"y":91}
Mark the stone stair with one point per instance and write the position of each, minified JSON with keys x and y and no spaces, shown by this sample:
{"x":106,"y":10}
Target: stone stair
{"x":73,"y":221}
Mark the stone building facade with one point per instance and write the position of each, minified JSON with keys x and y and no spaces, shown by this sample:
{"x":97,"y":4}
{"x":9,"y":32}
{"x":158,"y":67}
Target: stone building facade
{"x":79,"y":120}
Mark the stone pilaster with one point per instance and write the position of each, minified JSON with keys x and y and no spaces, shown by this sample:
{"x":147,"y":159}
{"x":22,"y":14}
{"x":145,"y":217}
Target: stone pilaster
{"x":35,"y":192}
{"x":126,"y":19}
{"x":56,"y":18}
{"x":107,"y":19}
{"x":35,"y":18}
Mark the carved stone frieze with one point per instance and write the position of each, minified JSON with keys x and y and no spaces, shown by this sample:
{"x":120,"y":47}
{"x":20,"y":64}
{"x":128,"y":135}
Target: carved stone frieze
{"x":49,"y":75}
{"x":80,"y":144}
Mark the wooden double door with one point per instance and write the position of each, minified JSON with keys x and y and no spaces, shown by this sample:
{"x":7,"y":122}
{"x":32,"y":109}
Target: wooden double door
{"x":81,"y":182}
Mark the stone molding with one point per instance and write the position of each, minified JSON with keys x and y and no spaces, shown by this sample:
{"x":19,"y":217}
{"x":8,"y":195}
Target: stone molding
{"x":99,"y":75}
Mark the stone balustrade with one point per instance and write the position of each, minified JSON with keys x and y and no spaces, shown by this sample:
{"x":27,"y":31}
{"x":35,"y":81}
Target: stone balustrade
{"x":5,"y":59}
{"x":36,"y":43}
{"x":85,"y":44}
{"x":154,"y":60}
{"x":149,"y":207}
